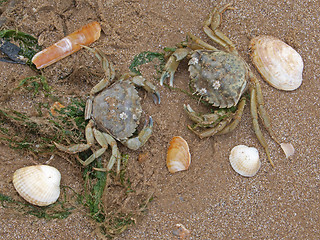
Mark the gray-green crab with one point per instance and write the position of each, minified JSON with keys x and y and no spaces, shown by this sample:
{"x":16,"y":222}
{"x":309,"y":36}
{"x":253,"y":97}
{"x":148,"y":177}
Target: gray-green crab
{"x":115,"y":110}
{"x":220,"y":78}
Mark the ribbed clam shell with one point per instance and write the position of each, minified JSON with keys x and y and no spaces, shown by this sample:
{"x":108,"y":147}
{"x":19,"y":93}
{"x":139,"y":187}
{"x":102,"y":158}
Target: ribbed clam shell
{"x":245,"y":160}
{"x":39,"y":184}
{"x":178,"y":155}
{"x":278,"y":63}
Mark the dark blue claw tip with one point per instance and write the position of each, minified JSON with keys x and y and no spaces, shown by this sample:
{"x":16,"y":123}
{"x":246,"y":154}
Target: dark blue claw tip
{"x":163,"y":77}
{"x":150,"y":121}
{"x":156,"y":98}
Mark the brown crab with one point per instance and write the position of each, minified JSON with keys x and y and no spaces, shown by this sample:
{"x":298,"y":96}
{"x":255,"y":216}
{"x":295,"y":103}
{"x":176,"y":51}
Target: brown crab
{"x":220,"y":78}
{"x":115,"y":110}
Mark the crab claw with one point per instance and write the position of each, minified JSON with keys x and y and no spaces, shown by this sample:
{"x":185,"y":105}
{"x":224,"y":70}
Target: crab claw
{"x":172,"y":65}
{"x":169,"y":70}
{"x":156,"y":97}
{"x":148,"y":86}
{"x":165,"y":75}
{"x":142,"y":138}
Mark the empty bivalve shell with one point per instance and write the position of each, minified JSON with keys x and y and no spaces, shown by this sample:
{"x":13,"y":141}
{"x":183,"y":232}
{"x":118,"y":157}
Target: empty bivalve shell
{"x":278,"y":63}
{"x":67,"y":45}
{"x":178,"y":155}
{"x":245,"y":160}
{"x":38,"y":185}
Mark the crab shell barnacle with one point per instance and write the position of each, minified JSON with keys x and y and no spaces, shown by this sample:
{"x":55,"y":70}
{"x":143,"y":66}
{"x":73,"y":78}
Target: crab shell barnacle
{"x":278,"y":63}
{"x":38,"y":185}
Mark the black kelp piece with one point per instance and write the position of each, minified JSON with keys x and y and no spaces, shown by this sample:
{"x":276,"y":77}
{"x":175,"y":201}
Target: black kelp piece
{"x":12,"y":52}
{"x":12,"y":40}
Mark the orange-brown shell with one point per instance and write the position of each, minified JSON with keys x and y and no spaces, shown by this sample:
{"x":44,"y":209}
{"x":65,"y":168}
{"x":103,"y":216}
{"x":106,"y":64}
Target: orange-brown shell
{"x":56,"y":107}
{"x":178,"y":155}
{"x":68,"y":45}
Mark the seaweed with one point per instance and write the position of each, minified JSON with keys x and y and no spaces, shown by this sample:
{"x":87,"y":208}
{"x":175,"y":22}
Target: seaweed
{"x":36,"y":134}
{"x":2,"y":1}
{"x":95,"y":182}
{"x":146,"y":57}
{"x":59,"y":210}
{"x":110,"y":221}
{"x":34,"y":84}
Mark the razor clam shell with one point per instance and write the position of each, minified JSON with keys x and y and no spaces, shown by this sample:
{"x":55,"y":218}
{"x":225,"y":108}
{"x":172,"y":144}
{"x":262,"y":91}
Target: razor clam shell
{"x":67,"y":45}
{"x":278,"y":63}
{"x":178,"y":155}
{"x":38,"y":185}
{"x":245,"y":160}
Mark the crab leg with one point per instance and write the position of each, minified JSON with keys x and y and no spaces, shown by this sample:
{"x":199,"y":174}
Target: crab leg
{"x":215,"y":119}
{"x":116,"y":155}
{"x":213,"y":31}
{"x":88,"y":108}
{"x":213,"y":130}
{"x":107,"y":67}
{"x":199,"y":43}
{"x":217,"y":124}
{"x":205,"y":120}
{"x":79,"y":147}
{"x":261,"y":109}
{"x":236,"y":118}
{"x":104,"y":140}
{"x":255,"y":123}
{"x":72,"y":149}
{"x":109,"y":76}
{"x":136,"y":142}
{"x":172,"y":65}
{"x":93,"y":157}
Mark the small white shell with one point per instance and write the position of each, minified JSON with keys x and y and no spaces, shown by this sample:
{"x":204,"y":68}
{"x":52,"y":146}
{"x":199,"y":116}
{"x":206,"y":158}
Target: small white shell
{"x":278,"y":63}
{"x":245,"y":160}
{"x":38,"y":185}
{"x":181,"y":231}
{"x":178,"y":155}
{"x":288,"y":149}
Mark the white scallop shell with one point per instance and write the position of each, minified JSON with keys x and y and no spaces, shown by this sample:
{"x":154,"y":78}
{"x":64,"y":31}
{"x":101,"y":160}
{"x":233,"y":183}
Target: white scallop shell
{"x":278,"y":63}
{"x":178,"y":155}
{"x":245,"y":160}
{"x":38,"y":184}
